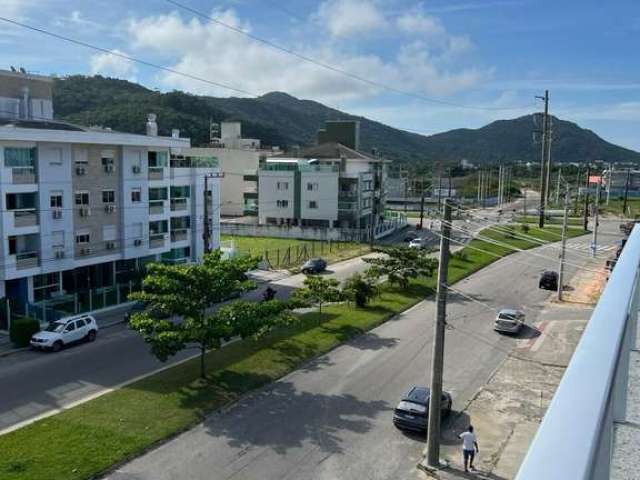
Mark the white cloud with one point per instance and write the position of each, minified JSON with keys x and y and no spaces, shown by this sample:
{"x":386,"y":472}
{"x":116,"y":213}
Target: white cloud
{"x":14,"y":9}
{"x":213,"y":52}
{"x":431,"y":29}
{"x":111,"y":65}
{"x":345,"y":18}
{"x":416,"y":22}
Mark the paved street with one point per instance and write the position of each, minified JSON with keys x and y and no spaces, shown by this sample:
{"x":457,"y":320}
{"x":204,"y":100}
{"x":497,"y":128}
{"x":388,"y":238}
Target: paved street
{"x":332,"y":419}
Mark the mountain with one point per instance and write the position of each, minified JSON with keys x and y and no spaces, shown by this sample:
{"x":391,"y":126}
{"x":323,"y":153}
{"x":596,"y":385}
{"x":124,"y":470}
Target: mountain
{"x":280,"y":119}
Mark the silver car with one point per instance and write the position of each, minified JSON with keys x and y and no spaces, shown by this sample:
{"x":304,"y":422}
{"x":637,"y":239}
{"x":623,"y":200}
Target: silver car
{"x":509,"y":320}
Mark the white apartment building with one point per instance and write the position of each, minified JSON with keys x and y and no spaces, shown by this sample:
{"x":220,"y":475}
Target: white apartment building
{"x":83,"y":209}
{"x":328,"y":186}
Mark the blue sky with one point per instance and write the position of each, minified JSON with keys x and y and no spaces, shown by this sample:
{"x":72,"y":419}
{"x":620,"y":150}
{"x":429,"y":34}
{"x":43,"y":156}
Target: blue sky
{"x":491,"y":55}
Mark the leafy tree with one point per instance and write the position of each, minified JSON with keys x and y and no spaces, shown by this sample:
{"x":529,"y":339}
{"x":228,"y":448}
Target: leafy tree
{"x":177,"y":299}
{"x":401,"y":264}
{"x":318,"y":290}
{"x":361,"y":289}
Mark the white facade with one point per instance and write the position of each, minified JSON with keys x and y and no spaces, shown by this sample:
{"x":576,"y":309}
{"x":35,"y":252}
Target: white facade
{"x":319,"y":196}
{"x":276,"y":200}
{"x":78,"y":200}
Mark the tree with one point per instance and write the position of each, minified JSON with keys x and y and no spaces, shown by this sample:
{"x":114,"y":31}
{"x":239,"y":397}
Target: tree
{"x":177,"y":299}
{"x":360,"y":289}
{"x":400,"y":264}
{"x":318,"y":290}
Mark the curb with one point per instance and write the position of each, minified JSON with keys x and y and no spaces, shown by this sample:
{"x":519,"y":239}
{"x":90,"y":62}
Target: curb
{"x":11,"y":351}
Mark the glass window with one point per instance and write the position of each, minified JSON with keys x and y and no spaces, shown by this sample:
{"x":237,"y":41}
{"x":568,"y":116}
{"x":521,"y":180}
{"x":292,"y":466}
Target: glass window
{"x":108,"y":196}
{"x":79,"y":323}
{"x":181,"y":192}
{"x":282,"y":203}
{"x":158,"y":159}
{"x":55,"y":199}
{"x":157,"y":194}
{"x":19,"y":157}
{"x":283,"y":185}
{"x":312,"y":186}
{"x":109,"y":233}
{"x":178,"y":223}
{"x":136,"y":195}
{"x":160,"y":226}
{"x":313,"y":204}
{"x":82,"y":238}
{"x":82,"y":198}
{"x":70,"y":327}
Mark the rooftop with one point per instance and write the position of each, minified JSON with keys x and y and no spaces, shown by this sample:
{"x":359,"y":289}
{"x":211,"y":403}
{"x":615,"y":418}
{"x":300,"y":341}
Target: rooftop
{"x":336,"y":150}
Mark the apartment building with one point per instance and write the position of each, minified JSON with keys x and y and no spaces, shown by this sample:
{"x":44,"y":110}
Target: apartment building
{"x":85,"y":208}
{"x":329,"y":186}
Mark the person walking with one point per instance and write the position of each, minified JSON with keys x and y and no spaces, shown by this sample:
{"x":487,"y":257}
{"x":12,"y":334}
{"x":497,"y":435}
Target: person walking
{"x":469,"y":447}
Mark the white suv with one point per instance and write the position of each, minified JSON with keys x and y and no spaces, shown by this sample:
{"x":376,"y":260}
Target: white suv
{"x":65,"y":331}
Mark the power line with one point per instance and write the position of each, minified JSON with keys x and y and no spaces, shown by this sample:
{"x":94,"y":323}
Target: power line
{"x":331,"y":67}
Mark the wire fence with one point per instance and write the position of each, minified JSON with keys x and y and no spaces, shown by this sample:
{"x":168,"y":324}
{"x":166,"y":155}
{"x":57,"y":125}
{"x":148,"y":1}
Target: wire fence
{"x":295,"y":255}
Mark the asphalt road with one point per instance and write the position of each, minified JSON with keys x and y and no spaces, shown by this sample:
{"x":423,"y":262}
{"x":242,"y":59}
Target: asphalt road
{"x":332,"y":419}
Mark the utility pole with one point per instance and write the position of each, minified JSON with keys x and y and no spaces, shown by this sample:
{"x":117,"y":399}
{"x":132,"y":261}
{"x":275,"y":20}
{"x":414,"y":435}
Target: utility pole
{"x":575,"y":209}
{"x":437,"y":356}
{"x":586,"y":200}
{"x":449,"y":175}
{"x":500,"y":180}
{"x":565,"y":220}
{"x":421,"y":204}
{"x":404,"y":174}
{"x":543,"y":174}
{"x":479,"y":184}
{"x":558,"y":185}
{"x":548,"y":137}
{"x":524,"y":205}
{"x":206,"y":233}
{"x":609,"y":178}
{"x":596,"y":206}
{"x":626,"y":192}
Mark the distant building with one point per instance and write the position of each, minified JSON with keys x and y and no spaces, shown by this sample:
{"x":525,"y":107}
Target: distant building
{"x":616,"y":180}
{"x":344,"y":132}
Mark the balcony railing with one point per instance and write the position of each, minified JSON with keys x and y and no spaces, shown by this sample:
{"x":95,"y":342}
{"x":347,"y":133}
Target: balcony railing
{"x":26,"y":260}
{"x":349,"y":206}
{"x":157,"y":240}
{"x":22,"y":175}
{"x":179,"y":204}
{"x":25,"y":218}
{"x":179,"y":235}
{"x":156,"y":173}
{"x":156,"y":207}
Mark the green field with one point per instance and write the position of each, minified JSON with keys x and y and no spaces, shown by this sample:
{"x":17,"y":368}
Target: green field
{"x":87,"y":440}
{"x":291,"y":252}
{"x":615,"y":208}
{"x":573,"y":221}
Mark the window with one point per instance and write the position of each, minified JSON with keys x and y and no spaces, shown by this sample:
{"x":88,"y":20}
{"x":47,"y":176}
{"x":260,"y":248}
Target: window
{"x":180,"y":223}
{"x":108,"y":196}
{"x":55,"y":199}
{"x":83,"y":238}
{"x":136,"y":195}
{"x":80,"y":156}
{"x":109,"y":233}
{"x":158,"y":227}
{"x":55,"y":156}
{"x":20,"y":157}
{"x":107,"y":158}
{"x":70,"y":327}
{"x":282,"y":185}
{"x":57,"y":239}
{"x":313,"y":204}
{"x":180,"y":192}
{"x":282,"y":203}
{"x":312,"y":186}
{"x":82,"y":198}
{"x":157,"y":194}
{"x":79,"y":323}
{"x":158,"y":159}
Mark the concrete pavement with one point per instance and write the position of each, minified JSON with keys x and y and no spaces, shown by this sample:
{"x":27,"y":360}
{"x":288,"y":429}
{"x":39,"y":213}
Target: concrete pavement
{"x":332,"y":418}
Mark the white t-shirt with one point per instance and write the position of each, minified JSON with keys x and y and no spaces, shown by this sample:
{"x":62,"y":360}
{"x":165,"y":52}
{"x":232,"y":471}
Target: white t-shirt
{"x":468,"y":440}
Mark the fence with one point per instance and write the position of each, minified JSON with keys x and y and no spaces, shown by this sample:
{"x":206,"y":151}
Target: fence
{"x":296,"y":255}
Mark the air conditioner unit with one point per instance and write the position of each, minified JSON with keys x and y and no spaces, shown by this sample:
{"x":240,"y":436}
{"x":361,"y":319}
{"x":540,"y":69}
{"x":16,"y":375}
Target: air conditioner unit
{"x":109,"y":208}
{"x":56,"y":214}
{"x":85,"y":212}
{"x":59,"y":254}
{"x":111,"y":245}
{"x":136,"y":169}
{"x":108,"y":168}
{"x":85,"y":251}
{"x":137,"y":242}
{"x":81,"y":171}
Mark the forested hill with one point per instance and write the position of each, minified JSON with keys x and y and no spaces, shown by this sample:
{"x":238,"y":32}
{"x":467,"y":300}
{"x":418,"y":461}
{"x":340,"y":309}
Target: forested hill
{"x":280,"y":119}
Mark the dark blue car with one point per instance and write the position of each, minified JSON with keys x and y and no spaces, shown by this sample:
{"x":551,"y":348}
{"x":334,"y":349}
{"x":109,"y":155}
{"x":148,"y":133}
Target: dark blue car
{"x":412,"y":413}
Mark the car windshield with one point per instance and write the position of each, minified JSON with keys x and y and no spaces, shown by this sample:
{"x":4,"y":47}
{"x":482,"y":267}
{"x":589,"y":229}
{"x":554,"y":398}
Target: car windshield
{"x":507,"y":316}
{"x":419,"y":395}
{"x":55,"y":327}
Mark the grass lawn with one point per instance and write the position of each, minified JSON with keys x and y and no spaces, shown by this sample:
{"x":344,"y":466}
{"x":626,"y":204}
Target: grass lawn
{"x":292,"y":252}
{"x":86,"y":440}
{"x":615,"y":207}
{"x":575,"y":221}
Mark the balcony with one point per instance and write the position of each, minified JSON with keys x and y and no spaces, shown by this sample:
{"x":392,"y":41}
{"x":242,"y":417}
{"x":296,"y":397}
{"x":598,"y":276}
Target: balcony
{"x":179,"y":235}
{"x":179,"y":204}
{"x":348,"y":206}
{"x":25,"y":218}
{"x":156,"y":207}
{"x":23,"y":175}
{"x":26,"y":260}
{"x":156,"y":173}
{"x":157,"y":240}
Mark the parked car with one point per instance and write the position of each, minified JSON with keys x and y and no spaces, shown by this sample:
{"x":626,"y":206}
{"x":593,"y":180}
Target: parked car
{"x":419,"y":243}
{"x":314,"y":265}
{"x":549,"y":280}
{"x":412,"y":413}
{"x":509,"y":320}
{"x":66,"y":331}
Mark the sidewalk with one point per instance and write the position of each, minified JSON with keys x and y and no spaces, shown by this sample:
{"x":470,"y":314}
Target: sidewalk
{"x":506,"y":412}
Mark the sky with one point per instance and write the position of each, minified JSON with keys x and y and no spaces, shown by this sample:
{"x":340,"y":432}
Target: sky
{"x":425,"y":66}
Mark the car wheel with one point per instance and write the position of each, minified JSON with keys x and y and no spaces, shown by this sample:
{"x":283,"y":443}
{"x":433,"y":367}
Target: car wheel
{"x":91,"y":336}
{"x":57,"y":346}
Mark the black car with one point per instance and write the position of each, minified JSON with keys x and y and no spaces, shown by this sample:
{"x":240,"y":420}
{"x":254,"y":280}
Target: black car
{"x":412,"y":413}
{"x":549,"y":280}
{"x":314,"y":265}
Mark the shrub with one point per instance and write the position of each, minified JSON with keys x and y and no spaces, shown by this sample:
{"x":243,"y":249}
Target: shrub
{"x":22,"y":329}
{"x":461,"y":255}
{"x":524,"y":227}
{"x":360,"y":289}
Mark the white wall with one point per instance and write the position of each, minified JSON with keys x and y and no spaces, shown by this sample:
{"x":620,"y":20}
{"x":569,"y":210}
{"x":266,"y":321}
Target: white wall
{"x":326,"y":196}
{"x":131,"y":213}
{"x":269,"y":194}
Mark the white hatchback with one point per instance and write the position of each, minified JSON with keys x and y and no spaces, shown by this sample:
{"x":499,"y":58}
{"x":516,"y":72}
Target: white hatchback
{"x":509,"y":320}
{"x":418,"y":243}
{"x":64,"y":332}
